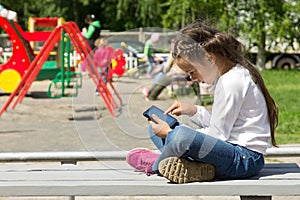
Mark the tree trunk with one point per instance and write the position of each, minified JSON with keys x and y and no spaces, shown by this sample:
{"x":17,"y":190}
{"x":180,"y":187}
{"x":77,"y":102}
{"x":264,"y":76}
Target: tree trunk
{"x":261,"y":53}
{"x":75,"y":11}
{"x":183,"y":19}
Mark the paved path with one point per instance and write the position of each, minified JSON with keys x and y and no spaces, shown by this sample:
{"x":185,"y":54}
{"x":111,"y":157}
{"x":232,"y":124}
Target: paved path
{"x":80,"y":123}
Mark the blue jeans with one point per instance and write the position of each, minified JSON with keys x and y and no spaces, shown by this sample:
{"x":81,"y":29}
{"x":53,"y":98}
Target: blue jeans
{"x":151,"y":64}
{"x":103,"y":76}
{"x":231,"y":161}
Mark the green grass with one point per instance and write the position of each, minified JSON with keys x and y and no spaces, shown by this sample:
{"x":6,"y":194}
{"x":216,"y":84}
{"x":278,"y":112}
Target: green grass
{"x":284,"y":86}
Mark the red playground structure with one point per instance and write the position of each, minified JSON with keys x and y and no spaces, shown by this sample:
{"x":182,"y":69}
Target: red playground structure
{"x":19,"y":72}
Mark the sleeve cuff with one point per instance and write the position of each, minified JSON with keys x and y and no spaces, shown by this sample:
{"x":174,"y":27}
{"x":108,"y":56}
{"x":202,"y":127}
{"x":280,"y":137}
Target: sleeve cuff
{"x":196,"y":115}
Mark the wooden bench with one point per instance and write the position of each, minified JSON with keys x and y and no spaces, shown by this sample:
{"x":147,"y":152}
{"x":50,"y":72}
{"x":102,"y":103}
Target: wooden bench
{"x":108,"y":174}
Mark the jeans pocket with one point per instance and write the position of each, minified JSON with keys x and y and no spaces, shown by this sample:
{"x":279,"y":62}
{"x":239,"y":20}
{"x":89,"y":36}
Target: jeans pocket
{"x":248,"y":162}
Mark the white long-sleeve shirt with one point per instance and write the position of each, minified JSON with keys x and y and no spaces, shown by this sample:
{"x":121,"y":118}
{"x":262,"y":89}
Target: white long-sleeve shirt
{"x":239,"y":113}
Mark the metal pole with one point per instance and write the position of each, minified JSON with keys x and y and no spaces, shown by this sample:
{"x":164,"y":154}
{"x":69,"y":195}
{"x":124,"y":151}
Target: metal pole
{"x":62,"y":62}
{"x":68,"y":47}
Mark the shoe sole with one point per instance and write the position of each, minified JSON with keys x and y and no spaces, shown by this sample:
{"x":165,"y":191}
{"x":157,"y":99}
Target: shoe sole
{"x":179,"y":170}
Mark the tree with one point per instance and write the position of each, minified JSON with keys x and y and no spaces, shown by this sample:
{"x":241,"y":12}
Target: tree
{"x":74,"y":10}
{"x":137,"y":13}
{"x":37,"y":8}
{"x":262,"y":23}
{"x":179,"y":13}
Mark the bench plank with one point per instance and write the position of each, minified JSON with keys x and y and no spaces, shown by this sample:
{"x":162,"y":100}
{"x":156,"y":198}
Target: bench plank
{"x":152,"y":188}
{"x":114,"y":174}
{"x":108,"y":155}
{"x":96,"y":165}
{"x":118,"y":178}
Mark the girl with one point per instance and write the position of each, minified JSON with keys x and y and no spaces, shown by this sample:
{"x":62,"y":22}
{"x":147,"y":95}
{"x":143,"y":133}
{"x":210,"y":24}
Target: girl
{"x":235,"y":134}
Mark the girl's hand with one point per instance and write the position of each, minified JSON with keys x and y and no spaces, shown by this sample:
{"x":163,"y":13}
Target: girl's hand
{"x":179,"y":108}
{"x":160,"y":128}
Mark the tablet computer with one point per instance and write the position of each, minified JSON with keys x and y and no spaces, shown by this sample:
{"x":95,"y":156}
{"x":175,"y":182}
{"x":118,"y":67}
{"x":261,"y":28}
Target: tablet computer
{"x":160,"y":113}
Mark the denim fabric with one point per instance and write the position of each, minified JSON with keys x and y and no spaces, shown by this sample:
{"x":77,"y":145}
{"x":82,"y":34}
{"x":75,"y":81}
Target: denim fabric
{"x":151,"y":64}
{"x":231,"y":161}
{"x":104,"y":77}
{"x":157,"y":77}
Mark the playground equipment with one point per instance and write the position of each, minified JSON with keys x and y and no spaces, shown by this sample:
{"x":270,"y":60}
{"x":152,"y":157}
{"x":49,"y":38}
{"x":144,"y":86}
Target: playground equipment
{"x":35,"y":24}
{"x":58,"y":69}
{"x":23,"y":67}
{"x":12,"y":71}
{"x":66,"y":78}
{"x":22,"y":52}
{"x":39,"y":25}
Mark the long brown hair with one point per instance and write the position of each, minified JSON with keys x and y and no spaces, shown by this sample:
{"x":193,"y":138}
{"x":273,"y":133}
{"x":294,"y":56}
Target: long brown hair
{"x":197,"y":35}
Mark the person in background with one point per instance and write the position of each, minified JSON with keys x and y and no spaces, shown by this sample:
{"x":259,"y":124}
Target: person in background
{"x":234,"y":134}
{"x":170,"y":73}
{"x":103,"y":57}
{"x":148,"y":53}
{"x":93,"y":31}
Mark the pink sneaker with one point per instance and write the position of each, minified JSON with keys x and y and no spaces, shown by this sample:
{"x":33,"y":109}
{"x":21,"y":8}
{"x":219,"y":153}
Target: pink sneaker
{"x":142,"y":160}
{"x":145,"y":91}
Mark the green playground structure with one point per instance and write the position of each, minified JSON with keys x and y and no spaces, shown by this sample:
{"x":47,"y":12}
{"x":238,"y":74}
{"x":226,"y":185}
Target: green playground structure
{"x":66,"y":78}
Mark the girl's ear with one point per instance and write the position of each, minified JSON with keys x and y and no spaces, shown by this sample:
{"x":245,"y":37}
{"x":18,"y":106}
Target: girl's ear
{"x":211,"y":58}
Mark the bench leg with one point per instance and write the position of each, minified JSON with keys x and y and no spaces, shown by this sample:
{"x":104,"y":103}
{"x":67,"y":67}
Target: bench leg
{"x":256,"y":197}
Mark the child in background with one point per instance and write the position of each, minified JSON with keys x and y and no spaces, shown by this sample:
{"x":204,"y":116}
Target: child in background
{"x":93,"y":31}
{"x":148,"y":53}
{"x":103,"y":57}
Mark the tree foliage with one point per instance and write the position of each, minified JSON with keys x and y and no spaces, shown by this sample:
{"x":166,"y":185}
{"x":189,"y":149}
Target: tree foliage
{"x":179,"y":13}
{"x":260,"y":23}
{"x":263,"y":23}
{"x":139,"y":13}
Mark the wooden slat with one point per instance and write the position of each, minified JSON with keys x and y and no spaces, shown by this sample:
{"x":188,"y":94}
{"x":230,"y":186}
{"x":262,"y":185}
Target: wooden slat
{"x":284,"y":151}
{"x":281,"y":165}
{"x":119,"y":169}
{"x":115,"y":174}
{"x":117,"y":178}
{"x":129,"y":188}
{"x":108,"y":155}
{"x":121,"y":165}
